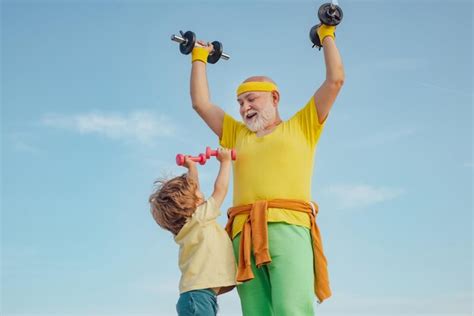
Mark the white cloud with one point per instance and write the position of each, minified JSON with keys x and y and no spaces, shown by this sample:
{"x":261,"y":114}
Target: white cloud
{"x":140,"y":126}
{"x":356,"y":196}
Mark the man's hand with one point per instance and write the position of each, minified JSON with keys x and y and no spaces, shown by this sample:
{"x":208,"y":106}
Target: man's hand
{"x":325,"y":31}
{"x":201,"y":52}
{"x":208,"y":46}
{"x":223,"y":155}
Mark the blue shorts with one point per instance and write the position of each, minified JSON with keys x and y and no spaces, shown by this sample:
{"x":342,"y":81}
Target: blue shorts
{"x":197,"y":303}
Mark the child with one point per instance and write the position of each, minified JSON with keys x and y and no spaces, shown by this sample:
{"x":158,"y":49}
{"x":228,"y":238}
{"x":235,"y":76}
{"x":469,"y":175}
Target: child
{"x":206,"y":258}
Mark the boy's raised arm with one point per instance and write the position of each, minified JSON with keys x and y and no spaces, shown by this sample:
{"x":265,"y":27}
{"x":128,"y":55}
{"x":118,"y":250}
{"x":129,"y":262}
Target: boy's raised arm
{"x":192,"y":170}
{"x":222,"y":181}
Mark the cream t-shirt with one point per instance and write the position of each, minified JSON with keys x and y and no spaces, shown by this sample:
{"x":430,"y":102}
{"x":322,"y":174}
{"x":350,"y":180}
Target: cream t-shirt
{"x":206,"y":258}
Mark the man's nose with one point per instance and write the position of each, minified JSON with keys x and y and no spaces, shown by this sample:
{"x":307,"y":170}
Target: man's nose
{"x":245,"y":107}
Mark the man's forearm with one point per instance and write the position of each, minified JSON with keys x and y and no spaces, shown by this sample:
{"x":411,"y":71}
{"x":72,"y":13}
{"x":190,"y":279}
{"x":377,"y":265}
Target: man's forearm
{"x":199,"y":86}
{"x":332,"y":58}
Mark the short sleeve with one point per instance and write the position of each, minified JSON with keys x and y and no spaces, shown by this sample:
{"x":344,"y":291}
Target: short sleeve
{"x":307,"y":119}
{"x":229,"y":131}
{"x":207,"y":211}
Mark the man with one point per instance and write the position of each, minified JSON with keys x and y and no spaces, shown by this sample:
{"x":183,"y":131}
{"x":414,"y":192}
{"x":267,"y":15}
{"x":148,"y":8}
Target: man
{"x":272,"y":221}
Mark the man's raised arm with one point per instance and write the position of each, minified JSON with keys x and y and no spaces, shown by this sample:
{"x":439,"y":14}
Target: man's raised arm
{"x":210,"y":113}
{"x":325,"y":96}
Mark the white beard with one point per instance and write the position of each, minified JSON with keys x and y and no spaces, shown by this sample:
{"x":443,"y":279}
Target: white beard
{"x":263,"y":118}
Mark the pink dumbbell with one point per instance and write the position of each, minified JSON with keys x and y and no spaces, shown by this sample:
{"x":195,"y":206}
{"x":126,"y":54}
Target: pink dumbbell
{"x":180,"y":159}
{"x":210,"y":152}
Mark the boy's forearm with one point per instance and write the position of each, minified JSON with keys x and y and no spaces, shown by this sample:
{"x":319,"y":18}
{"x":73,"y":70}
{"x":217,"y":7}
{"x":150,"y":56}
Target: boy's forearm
{"x":193,"y":174}
{"x":333,"y":61}
{"x":222,"y":180}
{"x":199,"y":86}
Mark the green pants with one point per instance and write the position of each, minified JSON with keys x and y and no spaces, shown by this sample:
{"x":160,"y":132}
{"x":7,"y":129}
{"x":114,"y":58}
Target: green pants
{"x":285,"y":287}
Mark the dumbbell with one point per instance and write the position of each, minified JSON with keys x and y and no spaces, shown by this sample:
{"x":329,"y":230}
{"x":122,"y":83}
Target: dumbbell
{"x":329,"y":14}
{"x":187,"y":41}
{"x":180,"y":159}
{"x":210,"y":152}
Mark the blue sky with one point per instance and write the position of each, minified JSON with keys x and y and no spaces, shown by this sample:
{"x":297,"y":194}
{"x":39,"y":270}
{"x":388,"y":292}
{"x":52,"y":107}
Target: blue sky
{"x":95,"y":106}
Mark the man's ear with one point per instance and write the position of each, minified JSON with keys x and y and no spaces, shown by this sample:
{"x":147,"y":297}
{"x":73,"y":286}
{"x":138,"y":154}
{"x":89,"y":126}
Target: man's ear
{"x":275,"y":97}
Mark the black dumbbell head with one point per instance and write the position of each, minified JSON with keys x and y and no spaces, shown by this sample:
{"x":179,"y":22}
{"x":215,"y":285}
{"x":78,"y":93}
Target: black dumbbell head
{"x":188,"y":45}
{"x":216,"y":53}
{"x":330,"y":14}
{"x":314,"y":37}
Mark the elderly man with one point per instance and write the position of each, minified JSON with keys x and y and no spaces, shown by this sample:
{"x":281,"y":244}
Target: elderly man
{"x":272,"y":221}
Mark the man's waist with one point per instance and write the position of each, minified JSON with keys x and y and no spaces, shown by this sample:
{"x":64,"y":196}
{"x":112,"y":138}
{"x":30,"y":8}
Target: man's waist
{"x":284,"y":204}
{"x":289,"y":211}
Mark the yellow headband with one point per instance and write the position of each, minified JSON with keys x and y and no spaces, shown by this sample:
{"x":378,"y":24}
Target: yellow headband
{"x":256,"y":86}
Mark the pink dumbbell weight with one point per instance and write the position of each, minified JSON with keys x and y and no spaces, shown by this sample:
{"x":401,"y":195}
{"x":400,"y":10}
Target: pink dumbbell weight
{"x":180,"y":159}
{"x":210,"y":152}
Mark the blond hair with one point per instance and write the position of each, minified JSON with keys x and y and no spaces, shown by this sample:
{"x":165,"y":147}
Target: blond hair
{"x":173,"y":202}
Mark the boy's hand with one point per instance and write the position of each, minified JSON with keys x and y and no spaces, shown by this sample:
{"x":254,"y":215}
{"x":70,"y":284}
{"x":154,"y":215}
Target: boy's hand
{"x":223,"y":154}
{"x":188,"y":163}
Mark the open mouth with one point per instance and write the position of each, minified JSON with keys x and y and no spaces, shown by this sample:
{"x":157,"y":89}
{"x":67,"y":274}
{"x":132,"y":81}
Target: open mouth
{"x":251,"y":115}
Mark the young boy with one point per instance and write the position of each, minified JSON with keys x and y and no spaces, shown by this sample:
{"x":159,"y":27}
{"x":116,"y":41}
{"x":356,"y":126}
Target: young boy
{"x":206,"y":258}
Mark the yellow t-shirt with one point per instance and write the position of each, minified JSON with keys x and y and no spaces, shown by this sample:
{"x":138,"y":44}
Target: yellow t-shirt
{"x":277,"y":165}
{"x":206,"y":257}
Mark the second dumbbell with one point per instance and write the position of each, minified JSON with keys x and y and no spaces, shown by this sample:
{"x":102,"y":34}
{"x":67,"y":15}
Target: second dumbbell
{"x":329,"y":14}
{"x":211,"y":152}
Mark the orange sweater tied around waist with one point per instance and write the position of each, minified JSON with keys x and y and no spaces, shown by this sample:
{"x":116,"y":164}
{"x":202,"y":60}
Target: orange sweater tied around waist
{"x":254,"y":235}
